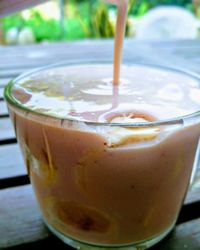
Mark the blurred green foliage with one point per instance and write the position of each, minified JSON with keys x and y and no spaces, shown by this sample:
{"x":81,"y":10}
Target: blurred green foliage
{"x":83,"y":19}
{"x":140,"y":7}
{"x":87,"y":19}
{"x":42,"y":29}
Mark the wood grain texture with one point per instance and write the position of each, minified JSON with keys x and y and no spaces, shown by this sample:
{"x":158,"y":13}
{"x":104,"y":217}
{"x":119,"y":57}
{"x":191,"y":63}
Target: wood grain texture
{"x":4,"y":81}
{"x":20,"y":217}
{"x":11,"y":162}
{"x":10,"y":73}
{"x":3,"y":109}
{"x":6,"y":129}
{"x":95,"y":46}
{"x":182,"y":54}
{"x":1,"y":93}
{"x":185,"y":236}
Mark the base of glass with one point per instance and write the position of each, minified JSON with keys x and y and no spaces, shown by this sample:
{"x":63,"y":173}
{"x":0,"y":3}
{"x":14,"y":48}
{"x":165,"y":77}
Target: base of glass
{"x":86,"y":246}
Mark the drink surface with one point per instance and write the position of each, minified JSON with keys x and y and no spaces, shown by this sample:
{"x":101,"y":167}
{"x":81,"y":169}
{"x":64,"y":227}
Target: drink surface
{"x":86,"y":93}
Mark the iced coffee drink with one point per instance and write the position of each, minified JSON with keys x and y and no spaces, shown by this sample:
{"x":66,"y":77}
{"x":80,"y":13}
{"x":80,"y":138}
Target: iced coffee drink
{"x":110,"y":164}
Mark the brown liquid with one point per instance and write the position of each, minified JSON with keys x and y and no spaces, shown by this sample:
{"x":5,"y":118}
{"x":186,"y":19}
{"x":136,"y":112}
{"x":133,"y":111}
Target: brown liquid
{"x":107,"y":185}
{"x":94,"y":189}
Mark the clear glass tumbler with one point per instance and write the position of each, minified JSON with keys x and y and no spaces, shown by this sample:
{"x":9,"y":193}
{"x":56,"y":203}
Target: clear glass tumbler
{"x":93,"y":196}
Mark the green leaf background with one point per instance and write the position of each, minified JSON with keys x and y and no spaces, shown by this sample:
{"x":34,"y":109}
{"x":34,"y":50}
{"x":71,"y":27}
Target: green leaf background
{"x":83,"y":19}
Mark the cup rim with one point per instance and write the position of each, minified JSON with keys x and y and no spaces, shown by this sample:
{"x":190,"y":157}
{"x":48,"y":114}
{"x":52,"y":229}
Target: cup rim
{"x":179,"y":120}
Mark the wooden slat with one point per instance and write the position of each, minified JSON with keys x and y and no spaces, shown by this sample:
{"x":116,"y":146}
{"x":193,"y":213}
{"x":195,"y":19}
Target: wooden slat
{"x":4,"y":81}
{"x":37,"y":56}
{"x":18,"y":207}
{"x":159,"y":56}
{"x":20,"y":218}
{"x":51,"y":53}
{"x":11,"y":166}
{"x":6,"y":129}
{"x":1,"y":93}
{"x":3,"y":109}
{"x":185,"y":236}
{"x":9,"y":73}
{"x":193,"y":195}
{"x":165,"y":43}
{"x":33,"y":53}
{"x":52,"y":58}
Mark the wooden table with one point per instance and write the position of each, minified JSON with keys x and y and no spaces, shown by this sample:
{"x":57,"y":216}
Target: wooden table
{"x":21,"y":225}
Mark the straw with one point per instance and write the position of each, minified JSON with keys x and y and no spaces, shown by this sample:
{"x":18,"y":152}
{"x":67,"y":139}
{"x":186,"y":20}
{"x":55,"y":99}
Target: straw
{"x":122,"y":6}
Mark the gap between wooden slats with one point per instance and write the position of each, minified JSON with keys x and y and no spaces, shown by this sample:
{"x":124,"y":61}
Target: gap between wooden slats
{"x":8,"y":141}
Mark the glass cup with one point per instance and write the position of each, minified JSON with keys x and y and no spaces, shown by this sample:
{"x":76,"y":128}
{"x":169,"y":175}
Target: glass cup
{"x":92,"y":196}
